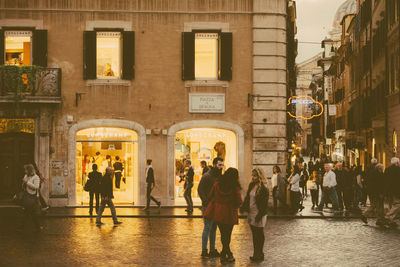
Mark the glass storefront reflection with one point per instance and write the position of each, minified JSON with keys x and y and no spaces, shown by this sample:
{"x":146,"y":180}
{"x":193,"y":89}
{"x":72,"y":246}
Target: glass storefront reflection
{"x":196,"y":145}
{"x":107,"y":147}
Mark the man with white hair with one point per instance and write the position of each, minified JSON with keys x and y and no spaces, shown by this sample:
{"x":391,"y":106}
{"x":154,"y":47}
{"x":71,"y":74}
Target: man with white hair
{"x":392,"y":176}
{"x":328,"y":189}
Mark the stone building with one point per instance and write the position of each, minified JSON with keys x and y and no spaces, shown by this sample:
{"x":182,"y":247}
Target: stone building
{"x":85,"y":82}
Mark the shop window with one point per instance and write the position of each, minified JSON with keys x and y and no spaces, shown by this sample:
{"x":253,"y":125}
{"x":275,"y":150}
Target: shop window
{"x":107,"y":147}
{"x":207,"y":56}
{"x":201,"y":144}
{"x":108,"y":55}
{"x":23,"y":47}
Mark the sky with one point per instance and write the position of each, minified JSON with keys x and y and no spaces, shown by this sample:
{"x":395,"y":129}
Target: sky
{"x":314,"y":21}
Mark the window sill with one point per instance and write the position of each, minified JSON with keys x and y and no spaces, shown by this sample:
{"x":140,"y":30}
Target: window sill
{"x":206,"y":83}
{"x":108,"y":82}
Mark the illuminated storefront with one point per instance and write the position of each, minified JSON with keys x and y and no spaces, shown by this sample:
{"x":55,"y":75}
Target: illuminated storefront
{"x":198,"y":144}
{"x":103,"y":146}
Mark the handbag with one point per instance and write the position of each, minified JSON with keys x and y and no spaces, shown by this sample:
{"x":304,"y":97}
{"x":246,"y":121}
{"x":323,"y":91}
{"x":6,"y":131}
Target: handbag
{"x":311,"y":185}
{"x":19,"y":198}
{"x":88,"y":186}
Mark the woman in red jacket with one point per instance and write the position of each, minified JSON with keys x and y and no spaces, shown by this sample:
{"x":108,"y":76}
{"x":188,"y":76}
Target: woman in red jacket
{"x":225,"y":199}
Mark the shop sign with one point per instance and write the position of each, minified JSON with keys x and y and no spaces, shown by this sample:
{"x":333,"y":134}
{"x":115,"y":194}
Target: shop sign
{"x":332,"y":110}
{"x":204,"y":135}
{"x":17,"y":125}
{"x":57,"y":164}
{"x":310,"y":108}
{"x":207,"y":103}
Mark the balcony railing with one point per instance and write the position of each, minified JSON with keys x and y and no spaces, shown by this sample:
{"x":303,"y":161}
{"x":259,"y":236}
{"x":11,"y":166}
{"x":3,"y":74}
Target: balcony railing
{"x":30,"y":84}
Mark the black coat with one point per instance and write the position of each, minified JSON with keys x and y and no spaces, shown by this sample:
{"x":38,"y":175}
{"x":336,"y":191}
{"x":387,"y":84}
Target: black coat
{"x":392,"y":179}
{"x":150,"y":176}
{"x":262,"y":196}
{"x":106,"y":186}
{"x":206,"y":183}
{"x":94,"y":180}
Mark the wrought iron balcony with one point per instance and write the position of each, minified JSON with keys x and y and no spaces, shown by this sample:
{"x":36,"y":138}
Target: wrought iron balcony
{"x":30,"y":84}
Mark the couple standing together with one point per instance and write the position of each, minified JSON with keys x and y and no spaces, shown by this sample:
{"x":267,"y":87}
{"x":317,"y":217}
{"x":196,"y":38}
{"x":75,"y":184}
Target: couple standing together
{"x":221,"y":198}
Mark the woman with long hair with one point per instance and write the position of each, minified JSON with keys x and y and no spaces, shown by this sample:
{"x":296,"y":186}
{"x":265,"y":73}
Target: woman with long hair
{"x":224,"y":200}
{"x":256,"y":204}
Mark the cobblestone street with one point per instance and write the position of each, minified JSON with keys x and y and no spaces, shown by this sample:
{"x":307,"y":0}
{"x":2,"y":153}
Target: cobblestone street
{"x":177,"y":242}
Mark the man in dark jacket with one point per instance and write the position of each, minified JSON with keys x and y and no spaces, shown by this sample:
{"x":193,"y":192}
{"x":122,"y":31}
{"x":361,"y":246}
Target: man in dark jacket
{"x":374,"y":186}
{"x":204,"y":166}
{"x":340,"y":177}
{"x":392,"y":176}
{"x":94,"y":180}
{"x":106,"y":191}
{"x":150,"y":185}
{"x":206,"y":183}
{"x":188,"y":186}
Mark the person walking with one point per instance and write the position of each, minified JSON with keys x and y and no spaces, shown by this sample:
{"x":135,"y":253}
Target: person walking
{"x":295,"y":195}
{"x":348,"y":189}
{"x":94,"y":187}
{"x":210,"y":228}
{"x":30,"y":201}
{"x":274,"y":183}
{"x":256,"y":204}
{"x":340,"y":177}
{"x":44,"y":206}
{"x":188,"y":186}
{"x":118,"y":169}
{"x":358,"y":187}
{"x":376,"y":191}
{"x":392,"y":174}
{"x":312,"y":185}
{"x":150,"y":185}
{"x":328,"y":189}
{"x":224,"y":200}
{"x":303,"y":181}
{"x":370,"y":184}
{"x":281,"y":186}
{"x":106,"y":190}
{"x":204,"y":166}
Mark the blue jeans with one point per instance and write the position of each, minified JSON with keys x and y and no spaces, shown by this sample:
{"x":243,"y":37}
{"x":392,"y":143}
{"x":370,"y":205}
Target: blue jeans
{"x":210,"y":230}
{"x":331,"y":193}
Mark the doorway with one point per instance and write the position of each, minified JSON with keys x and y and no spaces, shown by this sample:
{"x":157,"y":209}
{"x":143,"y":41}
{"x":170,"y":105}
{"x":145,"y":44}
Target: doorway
{"x":17,"y":149}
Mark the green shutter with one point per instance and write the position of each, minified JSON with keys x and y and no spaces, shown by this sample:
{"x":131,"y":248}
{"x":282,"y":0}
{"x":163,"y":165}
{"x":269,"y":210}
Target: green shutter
{"x":39,"y":48}
{"x":225,"y":66}
{"x":89,"y":55}
{"x":2,"y":50}
{"x":128,"y":55}
{"x":187,"y":56}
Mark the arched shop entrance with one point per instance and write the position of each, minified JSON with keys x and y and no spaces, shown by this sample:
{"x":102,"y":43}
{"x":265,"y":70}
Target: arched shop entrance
{"x":104,"y":146}
{"x":202,"y":144}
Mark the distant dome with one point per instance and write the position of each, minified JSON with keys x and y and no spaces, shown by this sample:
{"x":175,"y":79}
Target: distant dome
{"x":348,"y":7}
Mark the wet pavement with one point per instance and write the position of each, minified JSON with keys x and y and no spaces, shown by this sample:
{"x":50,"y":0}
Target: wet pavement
{"x":177,"y":242}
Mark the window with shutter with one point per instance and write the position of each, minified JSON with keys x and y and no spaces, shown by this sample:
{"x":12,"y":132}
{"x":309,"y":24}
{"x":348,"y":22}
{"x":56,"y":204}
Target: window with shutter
{"x":39,"y":48}
{"x":18,"y":47}
{"x":2,"y":55}
{"x":108,"y":55}
{"x":128,"y":61}
{"x":207,"y":55}
{"x":187,"y":56}
{"x":89,"y":55}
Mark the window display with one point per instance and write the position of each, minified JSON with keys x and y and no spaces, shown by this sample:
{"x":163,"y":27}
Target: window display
{"x":108,"y":55}
{"x":206,"y":56}
{"x":18,"y":47}
{"x":107,"y":147}
{"x":196,"y":145}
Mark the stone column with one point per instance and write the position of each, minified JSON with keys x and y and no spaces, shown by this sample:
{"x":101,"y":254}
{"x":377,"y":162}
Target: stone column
{"x":269,"y":84}
{"x":43,"y":160}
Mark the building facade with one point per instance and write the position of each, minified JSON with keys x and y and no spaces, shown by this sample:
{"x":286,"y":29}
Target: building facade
{"x":162,"y":79}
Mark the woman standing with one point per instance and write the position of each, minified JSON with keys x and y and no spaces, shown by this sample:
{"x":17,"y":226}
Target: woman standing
{"x":256,"y":204}
{"x":295,"y":194}
{"x":224,"y":200}
{"x":31,"y":184}
{"x":312,"y":185}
